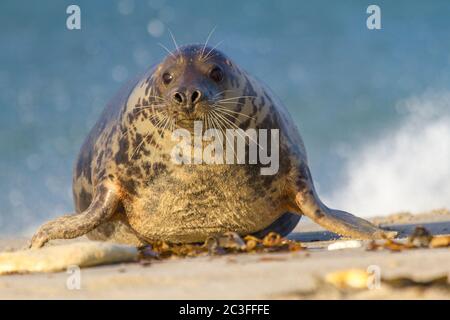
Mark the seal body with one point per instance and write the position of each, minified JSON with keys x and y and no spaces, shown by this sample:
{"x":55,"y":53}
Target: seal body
{"x":128,"y":189}
{"x":186,"y":203}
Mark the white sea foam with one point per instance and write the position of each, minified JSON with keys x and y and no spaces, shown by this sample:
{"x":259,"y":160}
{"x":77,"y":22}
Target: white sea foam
{"x":405,"y":169}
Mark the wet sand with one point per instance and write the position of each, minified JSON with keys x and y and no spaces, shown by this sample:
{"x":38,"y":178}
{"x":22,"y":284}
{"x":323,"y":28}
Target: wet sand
{"x":409,"y":274}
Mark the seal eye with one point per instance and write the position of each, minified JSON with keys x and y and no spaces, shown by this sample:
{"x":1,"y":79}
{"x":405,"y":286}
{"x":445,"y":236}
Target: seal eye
{"x":216,"y":74}
{"x":167,"y":78}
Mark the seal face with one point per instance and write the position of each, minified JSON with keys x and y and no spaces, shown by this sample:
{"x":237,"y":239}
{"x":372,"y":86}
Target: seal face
{"x":128,"y":189}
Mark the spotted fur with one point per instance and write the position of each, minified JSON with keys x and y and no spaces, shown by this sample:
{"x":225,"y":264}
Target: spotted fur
{"x":129,"y":151}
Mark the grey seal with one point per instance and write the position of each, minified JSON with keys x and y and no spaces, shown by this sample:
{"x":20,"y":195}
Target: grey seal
{"x":127,"y":189}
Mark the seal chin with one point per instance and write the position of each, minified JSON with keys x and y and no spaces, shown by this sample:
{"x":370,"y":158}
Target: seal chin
{"x":187,"y":122}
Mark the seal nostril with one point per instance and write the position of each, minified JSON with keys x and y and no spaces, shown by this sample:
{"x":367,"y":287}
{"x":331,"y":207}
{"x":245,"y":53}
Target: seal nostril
{"x":195,"y":96}
{"x":178,"y":97}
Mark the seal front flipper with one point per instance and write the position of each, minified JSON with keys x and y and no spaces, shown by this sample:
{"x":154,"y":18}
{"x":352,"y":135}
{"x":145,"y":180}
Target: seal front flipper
{"x":103,"y":206}
{"x":337,"y":221}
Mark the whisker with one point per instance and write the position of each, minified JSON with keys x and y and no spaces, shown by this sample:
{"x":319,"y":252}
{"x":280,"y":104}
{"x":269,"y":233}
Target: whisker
{"x":154,"y":116}
{"x":173,"y":39}
{"x":218,"y":94}
{"x":164,"y":125}
{"x":168,"y":123}
{"x":206,"y":42}
{"x":237,"y":131}
{"x":173,"y":124}
{"x":217,"y":127}
{"x":231,"y":112}
{"x":154,"y":112}
{"x":155,"y":131}
{"x":233,"y":102}
{"x":139,"y":145}
{"x":223,"y":127}
{"x":233,"y":116}
{"x":228,"y":121}
{"x":237,"y":128}
{"x":210,"y":51}
{"x":238,"y":97}
{"x":156,"y":126}
{"x":123,"y":134}
{"x":165,"y":48}
{"x":158,"y":122}
{"x":150,"y":107}
{"x":225,"y":107}
{"x":157,"y":97}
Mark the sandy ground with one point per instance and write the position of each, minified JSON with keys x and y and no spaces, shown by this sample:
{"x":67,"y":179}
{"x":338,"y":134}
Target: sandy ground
{"x":410,"y":274}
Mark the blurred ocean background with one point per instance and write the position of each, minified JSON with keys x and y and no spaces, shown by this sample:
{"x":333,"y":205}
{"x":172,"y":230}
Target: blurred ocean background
{"x":373,"y":106}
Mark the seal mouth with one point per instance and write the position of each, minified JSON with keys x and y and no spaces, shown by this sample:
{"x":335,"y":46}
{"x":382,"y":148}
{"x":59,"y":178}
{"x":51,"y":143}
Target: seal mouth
{"x":187,"y":114}
{"x":187,"y":122}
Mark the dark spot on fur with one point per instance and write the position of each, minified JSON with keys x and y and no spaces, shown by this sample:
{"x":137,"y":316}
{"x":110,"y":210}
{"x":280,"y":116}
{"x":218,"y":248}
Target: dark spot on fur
{"x":245,"y":124}
{"x":250,"y":91}
{"x":83,"y":167}
{"x":159,"y":167}
{"x":101,"y":174}
{"x":267,"y":123}
{"x":147,"y":166}
{"x":130,"y":117}
{"x":318,"y":213}
{"x":122,"y":154}
{"x":100,"y":158}
{"x":134,"y":172}
{"x":137,"y":140}
{"x":302,"y":184}
{"x":303,"y":179}
{"x":263,"y":102}
{"x":84,"y":199}
{"x":146,"y":151}
{"x":129,"y":185}
{"x":147,"y":89}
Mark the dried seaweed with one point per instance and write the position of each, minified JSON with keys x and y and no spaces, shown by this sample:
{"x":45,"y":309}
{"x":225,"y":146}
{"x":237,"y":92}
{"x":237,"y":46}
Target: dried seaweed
{"x":420,"y":238}
{"x":389,"y":244}
{"x":228,"y":243}
{"x":440,"y":242}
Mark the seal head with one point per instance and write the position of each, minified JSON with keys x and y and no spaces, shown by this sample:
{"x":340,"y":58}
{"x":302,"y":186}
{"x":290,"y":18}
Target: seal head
{"x":191,"y":81}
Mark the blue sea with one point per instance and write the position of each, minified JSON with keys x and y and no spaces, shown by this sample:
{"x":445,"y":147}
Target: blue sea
{"x":373,"y":106}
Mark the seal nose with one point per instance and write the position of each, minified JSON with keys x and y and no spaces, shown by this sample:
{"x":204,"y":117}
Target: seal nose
{"x":196,"y":96}
{"x":187,"y":98}
{"x":179,"y":98}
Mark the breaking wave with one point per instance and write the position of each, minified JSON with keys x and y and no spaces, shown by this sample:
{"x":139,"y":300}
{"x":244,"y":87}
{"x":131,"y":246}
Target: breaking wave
{"x":405,"y":169}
